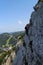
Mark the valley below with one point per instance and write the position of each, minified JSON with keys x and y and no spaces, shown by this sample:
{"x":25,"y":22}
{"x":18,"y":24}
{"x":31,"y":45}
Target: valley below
{"x":8,"y":46}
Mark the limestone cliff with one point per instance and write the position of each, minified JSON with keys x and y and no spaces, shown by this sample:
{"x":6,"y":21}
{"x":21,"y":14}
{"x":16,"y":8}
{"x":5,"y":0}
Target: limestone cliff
{"x":31,"y":51}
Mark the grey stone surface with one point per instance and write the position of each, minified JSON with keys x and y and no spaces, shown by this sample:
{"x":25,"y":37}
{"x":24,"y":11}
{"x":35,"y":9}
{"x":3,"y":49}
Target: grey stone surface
{"x":31,"y":53}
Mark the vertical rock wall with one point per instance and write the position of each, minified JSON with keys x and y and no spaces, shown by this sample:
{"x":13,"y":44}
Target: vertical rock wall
{"x":35,"y":36}
{"x":31,"y":52}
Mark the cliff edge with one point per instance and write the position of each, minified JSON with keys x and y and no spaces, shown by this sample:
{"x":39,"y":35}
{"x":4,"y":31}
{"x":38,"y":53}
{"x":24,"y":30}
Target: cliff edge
{"x":31,"y":50}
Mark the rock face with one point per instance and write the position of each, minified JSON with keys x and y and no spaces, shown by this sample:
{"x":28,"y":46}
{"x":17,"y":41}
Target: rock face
{"x":31,"y":52}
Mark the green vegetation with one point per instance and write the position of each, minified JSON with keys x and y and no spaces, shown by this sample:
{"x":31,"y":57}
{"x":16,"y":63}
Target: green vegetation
{"x":3,"y":38}
{"x":2,"y":55}
{"x":8,"y":42}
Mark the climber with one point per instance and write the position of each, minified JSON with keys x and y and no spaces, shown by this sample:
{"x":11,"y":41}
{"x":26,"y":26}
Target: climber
{"x":26,"y":28}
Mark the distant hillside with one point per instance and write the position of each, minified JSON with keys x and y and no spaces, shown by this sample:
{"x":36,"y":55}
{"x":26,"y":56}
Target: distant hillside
{"x":10,"y":38}
{"x":3,"y":38}
{"x":8,"y":46}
